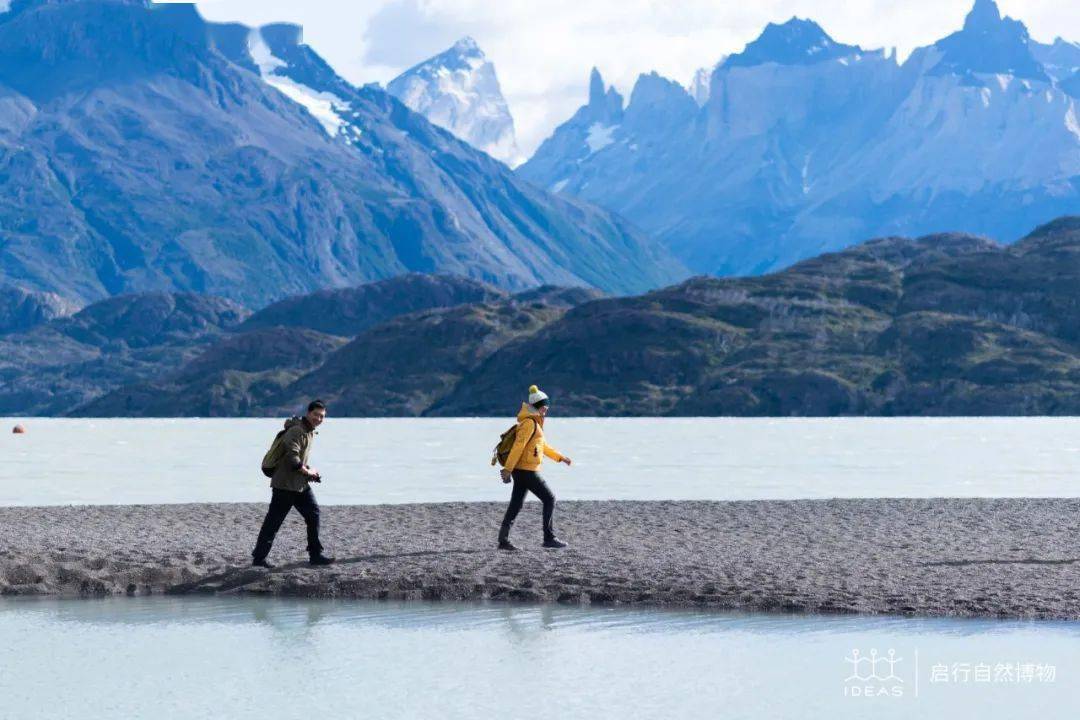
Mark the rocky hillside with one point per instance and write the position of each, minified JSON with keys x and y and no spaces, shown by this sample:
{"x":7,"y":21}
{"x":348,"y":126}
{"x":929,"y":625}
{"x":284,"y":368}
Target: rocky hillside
{"x":397,"y":368}
{"x":22,"y":309}
{"x":236,"y":376}
{"x":144,"y":149}
{"x":942,"y":325}
{"x":216,"y":362}
{"x":349,"y":311}
{"x":949,"y":324}
{"x":432,"y":351}
{"x":57,"y":366}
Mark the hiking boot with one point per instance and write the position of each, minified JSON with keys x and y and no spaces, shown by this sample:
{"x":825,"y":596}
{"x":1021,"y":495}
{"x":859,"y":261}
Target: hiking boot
{"x":507,"y":545}
{"x":554,"y":542}
{"x":261,"y":562}
{"x":321,"y":560}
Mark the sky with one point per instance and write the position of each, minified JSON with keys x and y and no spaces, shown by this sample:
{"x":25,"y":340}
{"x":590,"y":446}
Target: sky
{"x":543,"y":50}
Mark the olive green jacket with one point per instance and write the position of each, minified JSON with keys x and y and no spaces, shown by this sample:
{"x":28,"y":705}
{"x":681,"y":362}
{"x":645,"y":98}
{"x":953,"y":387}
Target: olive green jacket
{"x":297,"y":442}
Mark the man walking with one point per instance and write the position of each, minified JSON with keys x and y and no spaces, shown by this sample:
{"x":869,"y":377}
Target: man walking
{"x":291,"y":489}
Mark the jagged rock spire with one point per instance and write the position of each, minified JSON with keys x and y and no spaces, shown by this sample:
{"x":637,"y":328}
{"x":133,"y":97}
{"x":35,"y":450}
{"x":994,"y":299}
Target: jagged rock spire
{"x":596,"y":87}
{"x":983,"y":14}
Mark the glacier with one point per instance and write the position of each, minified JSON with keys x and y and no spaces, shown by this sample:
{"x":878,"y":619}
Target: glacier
{"x":326,"y":107}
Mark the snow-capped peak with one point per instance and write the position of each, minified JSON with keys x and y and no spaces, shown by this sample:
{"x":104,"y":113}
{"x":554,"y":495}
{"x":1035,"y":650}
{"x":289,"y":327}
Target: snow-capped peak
{"x":459,"y":91}
{"x":467,"y":45}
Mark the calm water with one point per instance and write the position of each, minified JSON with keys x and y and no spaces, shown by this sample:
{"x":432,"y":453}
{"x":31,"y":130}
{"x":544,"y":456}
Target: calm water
{"x":260,"y":658}
{"x":431,"y":460}
{"x":257,"y":658}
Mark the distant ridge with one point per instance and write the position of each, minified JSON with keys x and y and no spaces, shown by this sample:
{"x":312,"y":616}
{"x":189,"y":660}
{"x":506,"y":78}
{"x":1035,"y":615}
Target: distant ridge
{"x":801,"y":144}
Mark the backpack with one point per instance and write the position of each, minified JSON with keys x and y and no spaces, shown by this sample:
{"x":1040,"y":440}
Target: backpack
{"x":506,"y":443}
{"x":277,"y":449}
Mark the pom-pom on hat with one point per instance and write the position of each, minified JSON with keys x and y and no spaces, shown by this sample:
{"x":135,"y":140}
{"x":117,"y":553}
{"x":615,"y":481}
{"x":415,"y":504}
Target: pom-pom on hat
{"x":537,"y":397}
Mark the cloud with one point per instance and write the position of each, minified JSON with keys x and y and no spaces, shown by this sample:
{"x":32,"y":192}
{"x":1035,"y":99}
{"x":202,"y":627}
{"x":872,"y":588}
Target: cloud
{"x":543,"y":51}
{"x":401,"y":34}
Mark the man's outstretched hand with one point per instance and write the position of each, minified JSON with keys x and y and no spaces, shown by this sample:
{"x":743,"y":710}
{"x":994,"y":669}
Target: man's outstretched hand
{"x":566,"y":460}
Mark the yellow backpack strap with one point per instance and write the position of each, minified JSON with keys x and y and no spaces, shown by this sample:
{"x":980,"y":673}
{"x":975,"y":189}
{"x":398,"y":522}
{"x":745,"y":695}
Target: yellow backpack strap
{"x":536,"y":428}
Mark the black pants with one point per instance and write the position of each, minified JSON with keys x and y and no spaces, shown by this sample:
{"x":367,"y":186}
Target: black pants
{"x":281,"y":502}
{"x":528,"y":481}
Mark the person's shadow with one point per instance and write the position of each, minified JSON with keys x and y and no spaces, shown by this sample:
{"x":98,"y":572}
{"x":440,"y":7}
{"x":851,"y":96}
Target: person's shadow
{"x":233,"y":578}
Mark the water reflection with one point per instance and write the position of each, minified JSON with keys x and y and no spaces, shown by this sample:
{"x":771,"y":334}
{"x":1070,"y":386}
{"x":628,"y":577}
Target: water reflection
{"x":289,"y":614}
{"x":260,"y":657}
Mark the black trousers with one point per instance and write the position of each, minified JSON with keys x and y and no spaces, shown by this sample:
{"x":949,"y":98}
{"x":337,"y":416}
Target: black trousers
{"x":281,"y":502}
{"x":528,"y":481}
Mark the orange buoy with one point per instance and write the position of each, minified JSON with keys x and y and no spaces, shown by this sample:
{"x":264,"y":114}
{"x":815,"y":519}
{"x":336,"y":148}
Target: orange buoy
{"x":18,"y":430}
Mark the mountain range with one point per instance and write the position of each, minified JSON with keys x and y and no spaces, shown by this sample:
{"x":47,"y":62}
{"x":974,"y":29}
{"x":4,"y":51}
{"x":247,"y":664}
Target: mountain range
{"x":801,"y":145}
{"x":143,"y":149}
{"x":948,"y":324}
{"x":162,"y":176}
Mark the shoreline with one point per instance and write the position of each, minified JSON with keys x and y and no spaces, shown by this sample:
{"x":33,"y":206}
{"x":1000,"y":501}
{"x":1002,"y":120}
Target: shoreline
{"x":979,"y":557}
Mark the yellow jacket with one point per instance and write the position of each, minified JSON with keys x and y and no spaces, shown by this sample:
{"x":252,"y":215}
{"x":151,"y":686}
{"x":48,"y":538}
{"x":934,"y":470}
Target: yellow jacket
{"x":529,"y":447}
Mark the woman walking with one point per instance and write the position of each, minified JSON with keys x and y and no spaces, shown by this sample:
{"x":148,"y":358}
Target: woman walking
{"x":522,"y":466}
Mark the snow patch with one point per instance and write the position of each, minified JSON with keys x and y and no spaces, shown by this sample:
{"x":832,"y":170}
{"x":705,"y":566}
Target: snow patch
{"x":985,"y":93}
{"x":1071,"y":123}
{"x":262,"y":55}
{"x":1003,"y":81}
{"x":352,"y":134}
{"x":5,"y":5}
{"x":600,"y":136}
{"x":701,"y":84}
{"x":558,"y":187}
{"x":323,"y":106}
